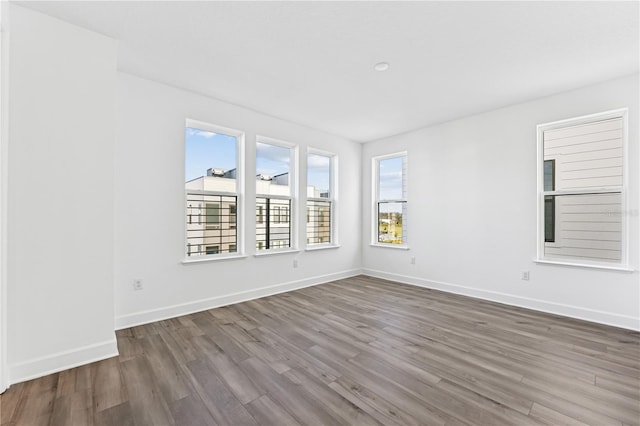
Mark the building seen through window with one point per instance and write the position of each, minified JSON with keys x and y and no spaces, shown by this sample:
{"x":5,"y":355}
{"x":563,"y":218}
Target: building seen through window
{"x":582,"y":190}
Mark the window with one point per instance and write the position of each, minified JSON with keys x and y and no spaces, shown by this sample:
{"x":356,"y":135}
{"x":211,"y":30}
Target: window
{"x":581,"y":190}
{"x":211,"y":188}
{"x":275,"y":179}
{"x":390,"y":194}
{"x":213,"y":249}
{"x":259,"y":214}
{"x":276,"y":214}
{"x":233,"y":216}
{"x":212,"y":215}
{"x":320,"y":198}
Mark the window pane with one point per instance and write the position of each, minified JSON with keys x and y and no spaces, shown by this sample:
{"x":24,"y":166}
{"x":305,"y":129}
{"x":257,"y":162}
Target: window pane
{"x":586,"y":156}
{"x":210,"y":161}
{"x":391,"y":178}
{"x":549,"y":175}
{"x":272,"y":169}
{"x":259,"y":214}
{"x":318,"y":176}
{"x":211,"y":221}
{"x":232,"y":215}
{"x":212,"y":218}
{"x":273,"y":227}
{"x":549,"y":219}
{"x":390,"y":222}
{"x":587,"y":227}
{"x":318,"y":222}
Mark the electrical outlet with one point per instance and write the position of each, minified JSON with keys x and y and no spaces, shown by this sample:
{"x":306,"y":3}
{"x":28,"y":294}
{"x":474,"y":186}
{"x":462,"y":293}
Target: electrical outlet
{"x":525,"y":276}
{"x":137,"y":284}
{"x":295,"y":263}
{"x":413,"y":260}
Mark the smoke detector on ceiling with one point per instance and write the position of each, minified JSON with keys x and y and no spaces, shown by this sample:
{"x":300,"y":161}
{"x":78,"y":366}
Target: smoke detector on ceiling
{"x":381,"y":66}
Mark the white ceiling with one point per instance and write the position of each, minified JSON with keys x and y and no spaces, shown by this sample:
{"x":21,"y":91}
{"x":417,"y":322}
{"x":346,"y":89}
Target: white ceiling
{"x":312,"y":62}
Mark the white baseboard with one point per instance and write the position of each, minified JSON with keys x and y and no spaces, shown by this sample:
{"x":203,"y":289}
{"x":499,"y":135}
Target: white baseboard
{"x":145,"y":317}
{"x":60,"y":361}
{"x":577,"y":312}
{"x":4,"y":383}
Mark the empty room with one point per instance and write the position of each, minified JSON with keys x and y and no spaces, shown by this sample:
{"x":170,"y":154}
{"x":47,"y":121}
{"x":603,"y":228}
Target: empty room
{"x":319,"y":213}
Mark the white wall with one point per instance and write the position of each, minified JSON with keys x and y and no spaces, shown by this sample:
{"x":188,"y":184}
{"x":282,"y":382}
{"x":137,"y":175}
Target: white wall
{"x":149,"y":208}
{"x":60,"y":195}
{"x":4,"y":379}
{"x":472,"y":210}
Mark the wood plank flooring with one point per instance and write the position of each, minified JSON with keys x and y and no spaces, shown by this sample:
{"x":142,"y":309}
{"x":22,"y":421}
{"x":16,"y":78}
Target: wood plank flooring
{"x":359,"y":351}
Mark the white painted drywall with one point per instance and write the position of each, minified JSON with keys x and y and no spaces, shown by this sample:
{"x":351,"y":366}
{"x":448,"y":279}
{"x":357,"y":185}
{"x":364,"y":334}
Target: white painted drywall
{"x":4,"y":382}
{"x":472,"y":210}
{"x":60,"y":195}
{"x":149,"y":207}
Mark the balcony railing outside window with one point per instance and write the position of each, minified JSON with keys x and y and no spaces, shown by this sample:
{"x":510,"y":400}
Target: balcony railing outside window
{"x":273,"y":223}
{"x":211,"y":223}
{"x":318,"y":222}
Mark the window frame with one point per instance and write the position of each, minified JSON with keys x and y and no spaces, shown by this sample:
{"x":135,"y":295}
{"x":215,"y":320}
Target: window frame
{"x":375,"y":169}
{"x":332,"y":199}
{"x":292,"y":197}
{"x":623,"y":265}
{"x":238,"y":194}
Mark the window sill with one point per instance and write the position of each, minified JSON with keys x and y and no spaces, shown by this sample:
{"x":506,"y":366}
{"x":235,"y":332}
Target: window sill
{"x":391,"y":246}
{"x":275,"y":251}
{"x":315,"y":247}
{"x":584,"y":265}
{"x":190,"y":260}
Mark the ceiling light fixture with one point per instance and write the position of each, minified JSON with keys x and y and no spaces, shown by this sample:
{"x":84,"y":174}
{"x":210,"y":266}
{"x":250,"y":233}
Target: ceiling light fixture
{"x":381,"y":66}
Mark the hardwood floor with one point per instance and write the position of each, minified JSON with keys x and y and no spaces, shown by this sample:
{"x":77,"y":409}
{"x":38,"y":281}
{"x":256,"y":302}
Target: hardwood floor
{"x":359,"y":351}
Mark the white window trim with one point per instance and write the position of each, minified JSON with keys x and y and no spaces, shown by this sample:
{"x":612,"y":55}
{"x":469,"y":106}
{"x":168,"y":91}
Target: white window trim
{"x":623,"y":265}
{"x":293,"y":194}
{"x":213,"y":258}
{"x":322,"y":246}
{"x":333,"y":192}
{"x":274,"y":251}
{"x":239,"y":194}
{"x":375,"y":161}
{"x":593,"y":265}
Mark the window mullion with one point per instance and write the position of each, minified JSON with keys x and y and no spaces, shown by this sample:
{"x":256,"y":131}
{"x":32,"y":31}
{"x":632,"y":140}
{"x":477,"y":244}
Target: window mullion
{"x":612,"y":190}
